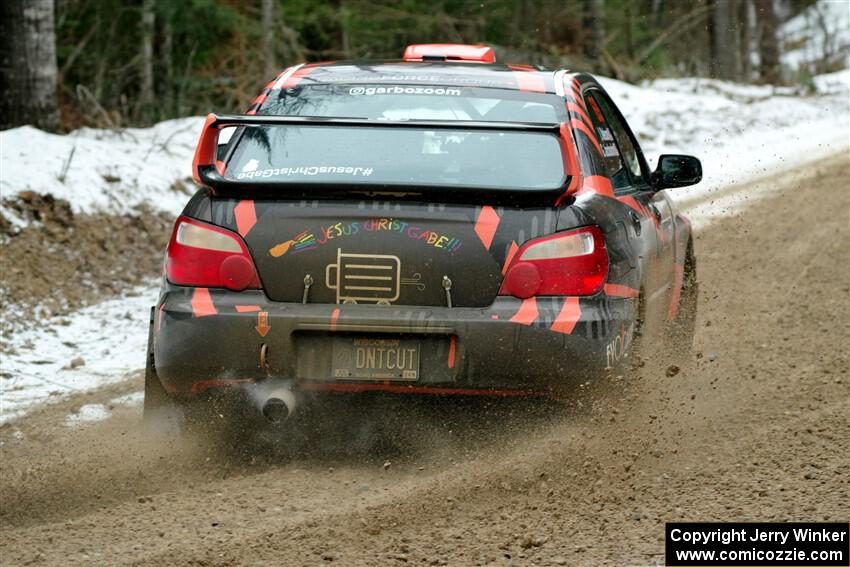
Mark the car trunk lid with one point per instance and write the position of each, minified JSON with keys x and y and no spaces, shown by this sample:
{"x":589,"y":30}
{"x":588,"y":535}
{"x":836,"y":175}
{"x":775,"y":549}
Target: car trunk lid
{"x":381,"y":252}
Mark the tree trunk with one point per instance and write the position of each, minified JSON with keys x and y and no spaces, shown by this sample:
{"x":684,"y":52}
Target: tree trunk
{"x":345,"y":30}
{"x":148,"y":19}
{"x":723,"y":61}
{"x":269,"y":63}
{"x":734,"y":34}
{"x":745,"y":17}
{"x":167,"y":86}
{"x":594,"y":21}
{"x":657,"y":11}
{"x":768,"y":42}
{"x":28,"y":71}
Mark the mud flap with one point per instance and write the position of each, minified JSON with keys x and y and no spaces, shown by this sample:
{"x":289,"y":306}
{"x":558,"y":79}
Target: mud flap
{"x":159,"y":412}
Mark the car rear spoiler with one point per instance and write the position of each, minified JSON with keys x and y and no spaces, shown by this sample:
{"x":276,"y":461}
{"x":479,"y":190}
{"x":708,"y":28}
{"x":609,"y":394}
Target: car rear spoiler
{"x":209,"y":172}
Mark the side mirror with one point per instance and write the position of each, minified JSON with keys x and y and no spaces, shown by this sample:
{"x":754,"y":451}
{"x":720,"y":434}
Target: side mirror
{"x":676,"y":171}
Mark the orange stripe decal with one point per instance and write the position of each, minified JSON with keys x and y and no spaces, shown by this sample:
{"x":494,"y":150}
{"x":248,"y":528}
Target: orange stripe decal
{"x":573,"y":107}
{"x":576,"y":99}
{"x":295,"y":78}
{"x":617,"y":290}
{"x":566,"y":320}
{"x":597,"y":184}
{"x":486,"y":225}
{"x":581,"y":126}
{"x":452,"y":351}
{"x":202,"y":305}
{"x":576,"y":86}
{"x":527,"y":313}
{"x":246,"y":216}
{"x":632,"y":202}
{"x":247,"y":308}
{"x":511,"y":253}
{"x":334,"y":317}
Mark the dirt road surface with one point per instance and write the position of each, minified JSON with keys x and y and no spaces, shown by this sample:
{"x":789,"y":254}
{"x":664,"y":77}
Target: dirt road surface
{"x":753,"y":427}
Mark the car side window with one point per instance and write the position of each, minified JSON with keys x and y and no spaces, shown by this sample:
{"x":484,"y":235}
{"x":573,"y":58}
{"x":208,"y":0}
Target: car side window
{"x":611,"y":156}
{"x":624,"y":141}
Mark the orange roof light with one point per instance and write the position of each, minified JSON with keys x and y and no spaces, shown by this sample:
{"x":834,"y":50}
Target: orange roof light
{"x":449,"y":52}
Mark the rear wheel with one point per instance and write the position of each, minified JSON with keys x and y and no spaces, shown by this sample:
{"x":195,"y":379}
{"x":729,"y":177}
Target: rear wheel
{"x":159,"y":410}
{"x":684,"y":325}
{"x":155,"y":395}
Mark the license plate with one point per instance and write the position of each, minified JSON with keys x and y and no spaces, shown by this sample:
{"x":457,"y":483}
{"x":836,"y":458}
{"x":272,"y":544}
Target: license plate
{"x":375,"y":359}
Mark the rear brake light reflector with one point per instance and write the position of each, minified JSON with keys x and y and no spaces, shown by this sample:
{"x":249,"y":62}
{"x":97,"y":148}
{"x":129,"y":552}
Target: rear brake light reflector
{"x":569,"y":246}
{"x":200,"y":237}
{"x":204,"y":255}
{"x":567,"y":263}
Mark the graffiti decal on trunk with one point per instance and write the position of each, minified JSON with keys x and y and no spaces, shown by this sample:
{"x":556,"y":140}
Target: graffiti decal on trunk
{"x":306,"y":240}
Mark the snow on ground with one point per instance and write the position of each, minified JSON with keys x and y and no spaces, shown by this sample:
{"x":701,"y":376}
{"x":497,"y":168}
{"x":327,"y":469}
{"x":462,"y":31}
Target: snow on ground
{"x":95,"y":346}
{"x":102,"y":170}
{"x":87,"y":413}
{"x":819,"y":33}
{"x":98,"y":412}
{"x":738,"y":131}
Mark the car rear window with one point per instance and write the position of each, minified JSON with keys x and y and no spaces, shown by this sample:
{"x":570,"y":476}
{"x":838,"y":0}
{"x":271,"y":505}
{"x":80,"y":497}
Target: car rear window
{"x":376,"y":155}
{"x":414,"y":102}
{"x":402,"y":156}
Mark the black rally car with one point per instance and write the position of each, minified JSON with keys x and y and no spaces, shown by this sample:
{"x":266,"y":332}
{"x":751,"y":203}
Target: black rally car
{"x":441,"y":224}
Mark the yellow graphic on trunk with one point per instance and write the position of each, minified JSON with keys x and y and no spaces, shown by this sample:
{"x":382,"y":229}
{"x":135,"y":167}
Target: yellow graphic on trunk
{"x":364,"y":277}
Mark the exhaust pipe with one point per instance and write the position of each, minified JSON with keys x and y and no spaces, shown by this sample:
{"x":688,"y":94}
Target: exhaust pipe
{"x":279,"y":405}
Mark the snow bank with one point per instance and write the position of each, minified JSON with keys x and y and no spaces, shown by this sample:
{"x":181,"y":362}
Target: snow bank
{"x":102,"y":170}
{"x":738,"y":132}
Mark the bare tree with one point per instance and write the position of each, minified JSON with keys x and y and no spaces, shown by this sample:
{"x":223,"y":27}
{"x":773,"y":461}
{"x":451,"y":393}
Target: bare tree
{"x":768,"y":42}
{"x":28,"y":71}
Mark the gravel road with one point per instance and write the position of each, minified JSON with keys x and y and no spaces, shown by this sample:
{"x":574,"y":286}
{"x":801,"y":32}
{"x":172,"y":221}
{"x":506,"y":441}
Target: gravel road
{"x":754,"y":426}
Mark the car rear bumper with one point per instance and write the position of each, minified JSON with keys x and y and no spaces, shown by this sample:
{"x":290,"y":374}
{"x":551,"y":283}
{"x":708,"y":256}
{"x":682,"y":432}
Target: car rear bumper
{"x":206,"y":340}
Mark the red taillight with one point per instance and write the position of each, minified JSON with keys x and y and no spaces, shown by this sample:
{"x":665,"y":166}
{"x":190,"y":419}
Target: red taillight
{"x":203,"y":255}
{"x":568,"y":263}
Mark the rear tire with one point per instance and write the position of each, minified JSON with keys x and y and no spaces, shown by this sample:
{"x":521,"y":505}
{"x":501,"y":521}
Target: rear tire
{"x":684,"y":324}
{"x":159,"y":411}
